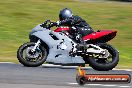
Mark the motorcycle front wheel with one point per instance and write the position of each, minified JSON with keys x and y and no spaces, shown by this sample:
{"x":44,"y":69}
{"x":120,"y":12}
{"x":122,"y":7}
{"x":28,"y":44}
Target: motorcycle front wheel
{"x":104,"y":64}
{"x":31,"y":59}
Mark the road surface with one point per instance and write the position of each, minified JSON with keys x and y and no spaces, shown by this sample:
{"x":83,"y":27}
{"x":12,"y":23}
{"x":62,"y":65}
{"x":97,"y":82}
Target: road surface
{"x":17,"y":76}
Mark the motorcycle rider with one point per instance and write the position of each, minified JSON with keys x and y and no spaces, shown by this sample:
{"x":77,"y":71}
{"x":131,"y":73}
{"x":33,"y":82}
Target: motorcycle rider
{"x":79,"y":27}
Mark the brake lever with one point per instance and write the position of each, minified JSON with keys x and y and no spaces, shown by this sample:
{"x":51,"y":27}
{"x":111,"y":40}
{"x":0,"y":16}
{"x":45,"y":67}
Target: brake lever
{"x":44,"y":24}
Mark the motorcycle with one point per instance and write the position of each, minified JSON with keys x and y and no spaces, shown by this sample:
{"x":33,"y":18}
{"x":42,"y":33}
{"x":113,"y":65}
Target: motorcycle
{"x":57,"y":47}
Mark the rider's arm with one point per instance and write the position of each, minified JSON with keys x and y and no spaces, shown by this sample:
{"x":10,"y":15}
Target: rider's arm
{"x":71,"y":21}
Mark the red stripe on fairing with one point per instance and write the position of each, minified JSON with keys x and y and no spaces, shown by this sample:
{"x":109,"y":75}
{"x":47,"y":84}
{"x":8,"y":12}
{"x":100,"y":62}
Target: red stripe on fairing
{"x":97,"y":35}
{"x":60,"y":29}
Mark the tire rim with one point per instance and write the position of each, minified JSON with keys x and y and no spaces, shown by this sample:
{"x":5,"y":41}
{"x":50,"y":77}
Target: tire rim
{"x":32,"y":56}
{"x":99,"y":58}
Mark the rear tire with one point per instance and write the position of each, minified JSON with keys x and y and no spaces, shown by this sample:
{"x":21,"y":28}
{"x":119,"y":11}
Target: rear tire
{"x":27,"y":61}
{"x":102,"y":66}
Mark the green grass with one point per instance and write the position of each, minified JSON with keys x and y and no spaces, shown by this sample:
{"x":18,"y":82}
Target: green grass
{"x":18,"y":17}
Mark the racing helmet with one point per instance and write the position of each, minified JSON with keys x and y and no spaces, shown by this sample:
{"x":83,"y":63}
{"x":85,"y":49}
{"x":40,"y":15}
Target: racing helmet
{"x":65,"y":13}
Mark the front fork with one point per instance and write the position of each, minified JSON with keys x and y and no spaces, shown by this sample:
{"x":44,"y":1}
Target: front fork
{"x":36,"y":45}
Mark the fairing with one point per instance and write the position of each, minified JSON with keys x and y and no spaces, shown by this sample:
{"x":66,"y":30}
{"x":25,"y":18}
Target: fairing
{"x":57,"y":53}
{"x":100,"y":36}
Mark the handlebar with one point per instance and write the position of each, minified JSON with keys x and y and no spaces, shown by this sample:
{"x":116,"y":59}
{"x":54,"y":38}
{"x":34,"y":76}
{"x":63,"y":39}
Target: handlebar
{"x":48,"y":24}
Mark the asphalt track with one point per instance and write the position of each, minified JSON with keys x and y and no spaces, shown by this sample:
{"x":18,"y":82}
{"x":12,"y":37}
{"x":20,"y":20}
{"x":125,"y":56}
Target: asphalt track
{"x":17,"y":76}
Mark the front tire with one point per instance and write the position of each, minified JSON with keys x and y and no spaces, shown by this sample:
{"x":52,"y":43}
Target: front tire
{"x":29,"y":59}
{"x":101,"y":64}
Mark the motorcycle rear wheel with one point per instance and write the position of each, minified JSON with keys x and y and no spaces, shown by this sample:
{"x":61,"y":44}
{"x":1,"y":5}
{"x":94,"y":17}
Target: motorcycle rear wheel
{"x":101,"y":64}
{"x":30,"y":59}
